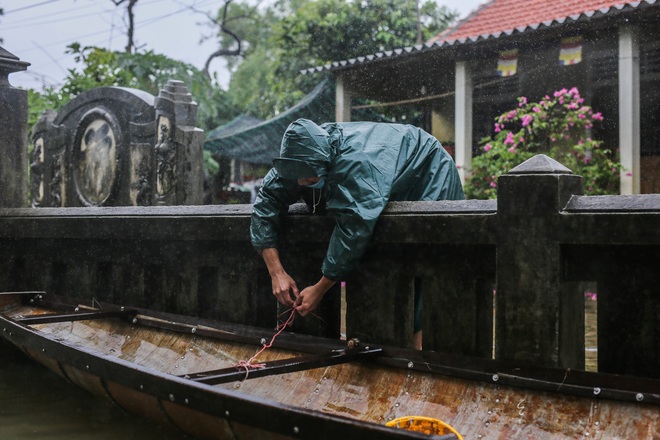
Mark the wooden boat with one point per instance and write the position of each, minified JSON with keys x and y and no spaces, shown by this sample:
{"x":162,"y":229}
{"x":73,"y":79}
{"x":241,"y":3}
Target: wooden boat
{"x":186,"y":372}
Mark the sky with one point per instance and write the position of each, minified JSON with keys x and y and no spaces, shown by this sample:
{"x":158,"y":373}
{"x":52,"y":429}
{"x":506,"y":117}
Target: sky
{"x":38,"y":31}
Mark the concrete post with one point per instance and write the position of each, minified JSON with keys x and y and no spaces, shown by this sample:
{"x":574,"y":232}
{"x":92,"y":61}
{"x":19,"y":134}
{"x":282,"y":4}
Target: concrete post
{"x":463,"y":121}
{"x":13,"y":142}
{"x":530,"y":296}
{"x":342,"y":100}
{"x":629,"y":109}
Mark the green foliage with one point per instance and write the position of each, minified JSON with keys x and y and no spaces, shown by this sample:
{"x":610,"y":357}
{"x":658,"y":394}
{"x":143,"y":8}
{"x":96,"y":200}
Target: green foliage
{"x":146,"y":71}
{"x":311,"y":33}
{"x":210,"y":164}
{"x":557,"y":126}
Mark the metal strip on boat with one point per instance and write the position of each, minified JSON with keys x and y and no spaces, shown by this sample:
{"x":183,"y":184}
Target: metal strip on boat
{"x":290,"y":365}
{"x":82,"y":316}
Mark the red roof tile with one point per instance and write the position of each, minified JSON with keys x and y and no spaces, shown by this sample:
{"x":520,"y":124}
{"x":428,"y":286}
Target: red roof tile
{"x":497,"y":16}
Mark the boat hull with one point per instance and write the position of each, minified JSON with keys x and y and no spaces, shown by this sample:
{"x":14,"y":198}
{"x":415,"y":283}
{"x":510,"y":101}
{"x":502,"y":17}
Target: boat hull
{"x":147,"y":371}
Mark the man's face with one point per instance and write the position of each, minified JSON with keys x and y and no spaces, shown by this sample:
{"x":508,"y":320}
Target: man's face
{"x":308,"y":181}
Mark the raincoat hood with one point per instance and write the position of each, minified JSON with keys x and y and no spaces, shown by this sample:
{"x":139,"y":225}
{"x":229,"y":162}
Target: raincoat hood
{"x":304,"y":152}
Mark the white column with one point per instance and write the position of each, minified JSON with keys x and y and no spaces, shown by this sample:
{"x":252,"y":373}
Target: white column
{"x":463,"y":120}
{"x":629,"y":111}
{"x":342,"y":100}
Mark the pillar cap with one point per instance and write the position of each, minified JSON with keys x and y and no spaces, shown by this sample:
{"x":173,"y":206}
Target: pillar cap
{"x":540,"y":164}
{"x":9,"y":63}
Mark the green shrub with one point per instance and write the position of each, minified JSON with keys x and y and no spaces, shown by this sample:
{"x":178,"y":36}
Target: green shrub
{"x":557,"y":126}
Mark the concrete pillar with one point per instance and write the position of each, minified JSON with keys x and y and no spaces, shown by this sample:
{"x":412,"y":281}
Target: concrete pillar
{"x":342,"y":100}
{"x":13,"y":142}
{"x":463,"y":121}
{"x":179,"y":150}
{"x":531,"y":299}
{"x":629,"y":109}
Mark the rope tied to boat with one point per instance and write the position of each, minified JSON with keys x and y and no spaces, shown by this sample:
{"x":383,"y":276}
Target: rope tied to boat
{"x":248,"y":365}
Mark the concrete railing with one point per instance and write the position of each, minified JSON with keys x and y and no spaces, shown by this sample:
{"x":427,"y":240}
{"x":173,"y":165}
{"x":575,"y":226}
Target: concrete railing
{"x":534,"y":246}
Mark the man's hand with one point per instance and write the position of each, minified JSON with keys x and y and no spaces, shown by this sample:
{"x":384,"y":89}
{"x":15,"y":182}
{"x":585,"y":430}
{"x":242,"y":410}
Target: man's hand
{"x":310,"y":297}
{"x":284,"y":288}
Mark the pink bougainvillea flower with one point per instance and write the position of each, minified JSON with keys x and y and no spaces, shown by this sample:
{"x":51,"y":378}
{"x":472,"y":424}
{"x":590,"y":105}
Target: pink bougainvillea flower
{"x":512,"y":114}
{"x":573,"y":105}
{"x":526,"y":119}
{"x":509,"y":139}
{"x":598,"y":116}
{"x":497,"y":128}
{"x":512,"y":149}
{"x":487,"y":147}
{"x":535,"y":109}
{"x":522,"y":101}
{"x":582,"y":116}
{"x":493,"y":185}
{"x":629,"y":174}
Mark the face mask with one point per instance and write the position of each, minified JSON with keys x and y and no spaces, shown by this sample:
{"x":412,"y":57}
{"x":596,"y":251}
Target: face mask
{"x":317,"y":185}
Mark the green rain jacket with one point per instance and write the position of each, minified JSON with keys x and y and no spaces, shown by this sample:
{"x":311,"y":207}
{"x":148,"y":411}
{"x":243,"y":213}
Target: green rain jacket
{"x":366,"y":165}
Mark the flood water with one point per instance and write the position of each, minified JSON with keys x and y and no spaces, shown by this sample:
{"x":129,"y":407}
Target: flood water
{"x":37,"y":404}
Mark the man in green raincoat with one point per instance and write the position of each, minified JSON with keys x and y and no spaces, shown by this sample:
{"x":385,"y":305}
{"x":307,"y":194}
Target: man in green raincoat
{"x":359,"y":167}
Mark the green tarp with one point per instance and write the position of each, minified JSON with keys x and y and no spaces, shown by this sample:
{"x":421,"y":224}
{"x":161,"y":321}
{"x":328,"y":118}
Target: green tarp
{"x":259,"y":143}
{"x":254,"y":141}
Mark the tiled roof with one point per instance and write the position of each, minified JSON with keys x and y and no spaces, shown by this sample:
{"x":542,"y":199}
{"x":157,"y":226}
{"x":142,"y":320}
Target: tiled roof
{"x":497,"y":17}
{"x":501,"y":18}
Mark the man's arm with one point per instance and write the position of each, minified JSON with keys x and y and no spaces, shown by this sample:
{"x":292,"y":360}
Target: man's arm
{"x":284,"y":287}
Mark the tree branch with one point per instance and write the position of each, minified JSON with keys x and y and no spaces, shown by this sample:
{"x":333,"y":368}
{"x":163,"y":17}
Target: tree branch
{"x":222,"y":24}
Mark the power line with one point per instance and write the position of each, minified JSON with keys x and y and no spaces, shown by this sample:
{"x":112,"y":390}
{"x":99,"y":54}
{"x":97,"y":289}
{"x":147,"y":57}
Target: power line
{"x":48,"y":18}
{"x":30,"y":6}
{"x":144,"y":23}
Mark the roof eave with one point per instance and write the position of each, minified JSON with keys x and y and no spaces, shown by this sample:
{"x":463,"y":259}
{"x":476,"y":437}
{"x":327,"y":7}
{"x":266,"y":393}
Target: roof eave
{"x":447,"y":44}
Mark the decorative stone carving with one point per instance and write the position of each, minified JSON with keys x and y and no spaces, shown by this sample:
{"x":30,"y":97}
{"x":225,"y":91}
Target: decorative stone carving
{"x":114,"y":146}
{"x":95,"y":158}
{"x":166,"y":156}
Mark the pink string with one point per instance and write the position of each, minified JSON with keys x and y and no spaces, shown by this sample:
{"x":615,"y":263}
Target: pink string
{"x":248,"y":364}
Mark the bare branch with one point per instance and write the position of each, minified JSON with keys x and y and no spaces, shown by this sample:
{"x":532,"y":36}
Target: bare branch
{"x":222,"y":24}
{"x":131,"y":22}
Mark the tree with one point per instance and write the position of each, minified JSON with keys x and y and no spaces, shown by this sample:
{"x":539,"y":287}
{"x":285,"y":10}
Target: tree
{"x":146,"y":71}
{"x":309,"y":33}
{"x":228,"y":25}
{"x":560,"y":127}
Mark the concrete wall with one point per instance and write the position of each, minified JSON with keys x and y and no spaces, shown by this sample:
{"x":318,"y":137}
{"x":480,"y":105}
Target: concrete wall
{"x":534,"y":245}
